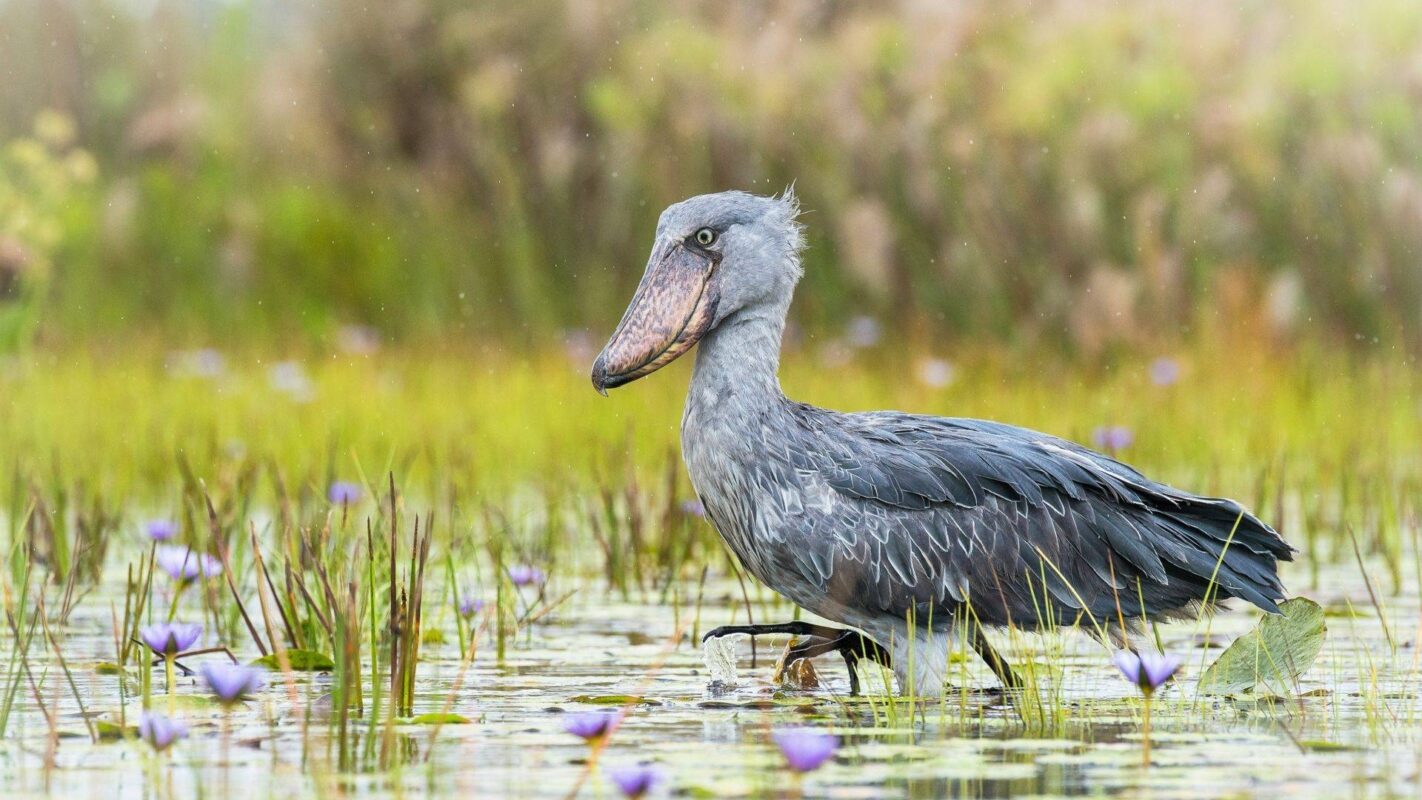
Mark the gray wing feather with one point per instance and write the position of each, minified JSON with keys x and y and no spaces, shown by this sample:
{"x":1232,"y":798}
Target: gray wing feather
{"x":1027,"y":527}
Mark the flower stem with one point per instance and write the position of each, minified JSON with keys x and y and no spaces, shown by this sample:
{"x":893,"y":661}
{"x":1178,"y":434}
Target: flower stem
{"x":1145,"y":735}
{"x":168,"y":672}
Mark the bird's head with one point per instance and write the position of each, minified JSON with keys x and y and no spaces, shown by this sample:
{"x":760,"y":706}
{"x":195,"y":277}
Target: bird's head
{"x":714,"y":256}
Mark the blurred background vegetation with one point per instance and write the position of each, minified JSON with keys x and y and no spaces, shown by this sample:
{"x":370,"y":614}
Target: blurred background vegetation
{"x":1087,"y":177}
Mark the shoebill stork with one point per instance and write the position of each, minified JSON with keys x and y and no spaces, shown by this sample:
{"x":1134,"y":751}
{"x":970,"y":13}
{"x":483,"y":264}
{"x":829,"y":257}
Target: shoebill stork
{"x":912,"y":531}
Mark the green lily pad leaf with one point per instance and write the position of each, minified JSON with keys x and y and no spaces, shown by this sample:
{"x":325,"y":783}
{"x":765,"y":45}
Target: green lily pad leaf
{"x":613,"y":700}
{"x":113,"y":732}
{"x":432,"y":636}
{"x":186,"y":702}
{"x":107,"y":668}
{"x":436,"y":718}
{"x":1324,"y":746}
{"x":300,"y":660}
{"x":1273,"y":655}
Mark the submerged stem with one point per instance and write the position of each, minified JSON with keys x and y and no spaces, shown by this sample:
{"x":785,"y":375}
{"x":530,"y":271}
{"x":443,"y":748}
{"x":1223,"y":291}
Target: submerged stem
{"x":169,"y":673}
{"x":1145,"y":735}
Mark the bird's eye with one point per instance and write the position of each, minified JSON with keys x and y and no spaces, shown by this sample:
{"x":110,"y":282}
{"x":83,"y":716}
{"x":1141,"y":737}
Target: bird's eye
{"x":705,"y":237}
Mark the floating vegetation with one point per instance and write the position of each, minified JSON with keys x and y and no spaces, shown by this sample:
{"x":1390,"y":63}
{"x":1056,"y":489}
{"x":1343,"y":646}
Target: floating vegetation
{"x":469,"y":638}
{"x":1274,"y":656}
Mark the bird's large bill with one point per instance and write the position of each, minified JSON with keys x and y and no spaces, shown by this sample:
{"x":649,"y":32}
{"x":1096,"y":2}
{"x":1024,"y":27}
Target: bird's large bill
{"x":673,"y":307}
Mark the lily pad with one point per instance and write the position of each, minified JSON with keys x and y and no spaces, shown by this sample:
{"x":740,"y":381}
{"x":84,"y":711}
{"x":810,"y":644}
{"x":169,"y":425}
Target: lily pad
{"x":300,"y":661}
{"x":113,"y":732}
{"x":613,"y":700}
{"x":1273,"y":655}
{"x":1324,"y":746}
{"x":436,"y":718}
{"x":186,"y":702}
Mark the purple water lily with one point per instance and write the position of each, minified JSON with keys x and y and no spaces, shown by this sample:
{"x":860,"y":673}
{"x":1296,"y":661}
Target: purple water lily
{"x":693,"y":508}
{"x":524,"y":575}
{"x":1112,"y":437}
{"x":232,"y":682}
{"x":469,"y":606}
{"x":343,"y":493}
{"x":635,"y":780}
{"x":1146,"y":670}
{"x":1164,"y":371}
{"x":805,"y":749}
{"x":161,"y":530}
{"x":160,"y":731}
{"x":591,"y":726}
{"x":170,"y":638}
{"x":183,"y":564}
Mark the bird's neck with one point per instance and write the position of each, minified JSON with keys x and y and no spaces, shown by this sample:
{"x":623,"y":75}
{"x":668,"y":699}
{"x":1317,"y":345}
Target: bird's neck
{"x":738,"y":363}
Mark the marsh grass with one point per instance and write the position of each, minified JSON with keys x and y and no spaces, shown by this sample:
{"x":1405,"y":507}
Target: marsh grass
{"x":457,"y":490}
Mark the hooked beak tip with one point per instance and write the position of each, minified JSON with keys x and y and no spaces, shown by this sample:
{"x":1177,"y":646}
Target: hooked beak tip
{"x":599,"y":376}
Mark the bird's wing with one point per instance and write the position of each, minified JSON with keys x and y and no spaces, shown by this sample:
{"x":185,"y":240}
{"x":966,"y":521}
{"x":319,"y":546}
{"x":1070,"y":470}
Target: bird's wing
{"x":1023,"y":525}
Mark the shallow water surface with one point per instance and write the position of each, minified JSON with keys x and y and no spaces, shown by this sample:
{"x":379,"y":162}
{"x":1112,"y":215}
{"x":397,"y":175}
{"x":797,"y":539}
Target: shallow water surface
{"x":1352,"y":731}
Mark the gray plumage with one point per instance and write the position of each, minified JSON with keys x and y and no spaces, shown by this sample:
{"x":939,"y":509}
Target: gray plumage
{"x":871,"y":519}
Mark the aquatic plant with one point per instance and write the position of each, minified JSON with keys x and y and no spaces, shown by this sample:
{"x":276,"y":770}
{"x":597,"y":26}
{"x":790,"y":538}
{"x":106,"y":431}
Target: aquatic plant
{"x":1112,"y":437}
{"x":805,"y":749}
{"x":160,"y":530}
{"x":343,"y":493}
{"x":635,"y":780}
{"x":1148,"y":671}
{"x":184,"y":565}
{"x":592,"y":726}
{"x":1164,"y":371}
{"x":232,"y":683}
{"x":525,"y":575}
{"x":168,"y":640}
{"x":159,"y":731}
{"x":468,"y":606}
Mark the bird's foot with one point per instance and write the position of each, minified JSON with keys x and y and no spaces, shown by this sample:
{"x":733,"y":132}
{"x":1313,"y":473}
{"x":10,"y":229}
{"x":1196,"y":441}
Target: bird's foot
{"x":821,"y":640}
{"x":851,"y":645}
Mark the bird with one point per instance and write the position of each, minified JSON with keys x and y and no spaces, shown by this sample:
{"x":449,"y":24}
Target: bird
{"x":917,"y":534}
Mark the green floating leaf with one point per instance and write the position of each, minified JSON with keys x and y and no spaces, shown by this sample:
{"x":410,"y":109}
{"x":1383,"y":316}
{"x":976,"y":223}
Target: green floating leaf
{"x":107,"y":668}
{"x":1273,"y":655}
{"x":613,"y":700}
{"x":113,"y":732}
{"x":186,"y":702}
{"x":435,"y":719}
{"x":300,"y":660}
{"x":1323,"y":746}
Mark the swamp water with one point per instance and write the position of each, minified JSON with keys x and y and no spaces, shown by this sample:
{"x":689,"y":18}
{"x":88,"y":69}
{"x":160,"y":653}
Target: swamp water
{"x":1351,"y":731}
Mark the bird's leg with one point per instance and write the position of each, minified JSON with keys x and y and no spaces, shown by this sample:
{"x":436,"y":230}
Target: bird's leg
{"x":1010,"y":679}
{"x":795,"y":628}
{"x":852,"y":645}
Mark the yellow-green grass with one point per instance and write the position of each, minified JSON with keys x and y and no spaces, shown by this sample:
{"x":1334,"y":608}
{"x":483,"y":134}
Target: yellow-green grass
{"x":117,"y":421}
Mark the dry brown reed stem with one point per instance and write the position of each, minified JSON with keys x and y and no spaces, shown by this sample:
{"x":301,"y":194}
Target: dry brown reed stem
{"x":64,"y":667}
{"x":264,"y":581}
{"x":1372,"y":595}
{"x":266,"y":578}
{"x":216,"y":529}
